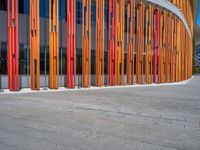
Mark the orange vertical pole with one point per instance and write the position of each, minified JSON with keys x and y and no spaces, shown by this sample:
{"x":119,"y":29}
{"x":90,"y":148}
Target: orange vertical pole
{"x":170,"y":46}
{"x":130,"y":41}
{"x":149,"y":43}
{"x":182,"y":52}
{"x":53,"y":44}
{"x":185,"y":57}
{"x":174,"y":48}
{"x":168,"y":38}
{"x":139,"y":42}
{"x":71,"y":44}
{"x":163,"y":46}
{"x":182,"y":45}
{"x":191,"y":55}
{"x":120,"y":42}
{"x":186,"y":54}
{"x":13,"y":72}
{"x":99,"y":42}
{"x":86,"y":43}
{"x":178,"y":52}
{"x":34,"y":44}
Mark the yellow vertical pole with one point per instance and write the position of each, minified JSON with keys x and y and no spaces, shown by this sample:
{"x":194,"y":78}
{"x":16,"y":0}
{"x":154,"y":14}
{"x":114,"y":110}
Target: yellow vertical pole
{"x":53,"y":44}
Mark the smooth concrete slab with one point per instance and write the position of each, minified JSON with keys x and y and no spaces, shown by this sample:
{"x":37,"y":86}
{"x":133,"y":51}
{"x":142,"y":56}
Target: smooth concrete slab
{"x":139,"y":118}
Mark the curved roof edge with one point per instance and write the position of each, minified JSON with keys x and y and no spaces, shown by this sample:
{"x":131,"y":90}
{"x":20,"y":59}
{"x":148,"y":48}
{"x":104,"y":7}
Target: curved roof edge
{"x":171,"y":7}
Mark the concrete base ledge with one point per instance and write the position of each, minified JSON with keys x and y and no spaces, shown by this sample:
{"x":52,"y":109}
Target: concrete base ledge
{"x":63,"y":89}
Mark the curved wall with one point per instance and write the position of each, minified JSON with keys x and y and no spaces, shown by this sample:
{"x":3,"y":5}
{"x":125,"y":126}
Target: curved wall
{"x":156,"y":46}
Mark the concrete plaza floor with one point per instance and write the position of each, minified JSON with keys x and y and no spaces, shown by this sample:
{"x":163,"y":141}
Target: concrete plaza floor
{"x":152,"y":118}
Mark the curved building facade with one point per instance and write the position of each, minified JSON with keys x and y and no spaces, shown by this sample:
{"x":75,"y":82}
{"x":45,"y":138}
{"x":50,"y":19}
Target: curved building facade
{"x":94,"y":43}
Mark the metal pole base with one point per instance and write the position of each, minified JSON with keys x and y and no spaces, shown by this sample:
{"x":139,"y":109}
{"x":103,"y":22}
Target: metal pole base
{"x":45,"y":88}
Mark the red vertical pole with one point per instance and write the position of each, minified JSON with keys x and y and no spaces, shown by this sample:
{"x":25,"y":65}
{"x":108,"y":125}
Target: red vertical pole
{"x":111,"y":43}
{"x":71,"y":43}
{"x":13,"y":45}
{"x":156,"y":45}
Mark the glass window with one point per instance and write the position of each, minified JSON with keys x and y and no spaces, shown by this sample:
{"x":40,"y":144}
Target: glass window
{"x":125,"y":22}
{"x":134,"y":63}
{"x":78,"y":11}
{"x":3,"y":58}
{"x":144,"y":64}
{"x":106,"y":17}
{"x":105,"y":63}
{"x":44,"y":60}
{"x":44,"y":8}
{"x":3,"y":5}
{"x":93,"y":62}
{"x":24,"y":6}
{"x":125,"y":61}
{"x":78,"y":61}
{"x":23,"y":59}
{"x":63,"y":59}
{"x":62,"y":10}
{"x":93,"y":14}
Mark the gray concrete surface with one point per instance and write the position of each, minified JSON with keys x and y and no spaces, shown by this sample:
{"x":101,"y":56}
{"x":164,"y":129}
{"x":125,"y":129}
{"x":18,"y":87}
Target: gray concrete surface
{"x":152,"y":118}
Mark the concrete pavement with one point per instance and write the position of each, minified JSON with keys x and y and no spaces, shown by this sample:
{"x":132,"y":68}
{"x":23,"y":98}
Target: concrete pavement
{"x":163,"y":118}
